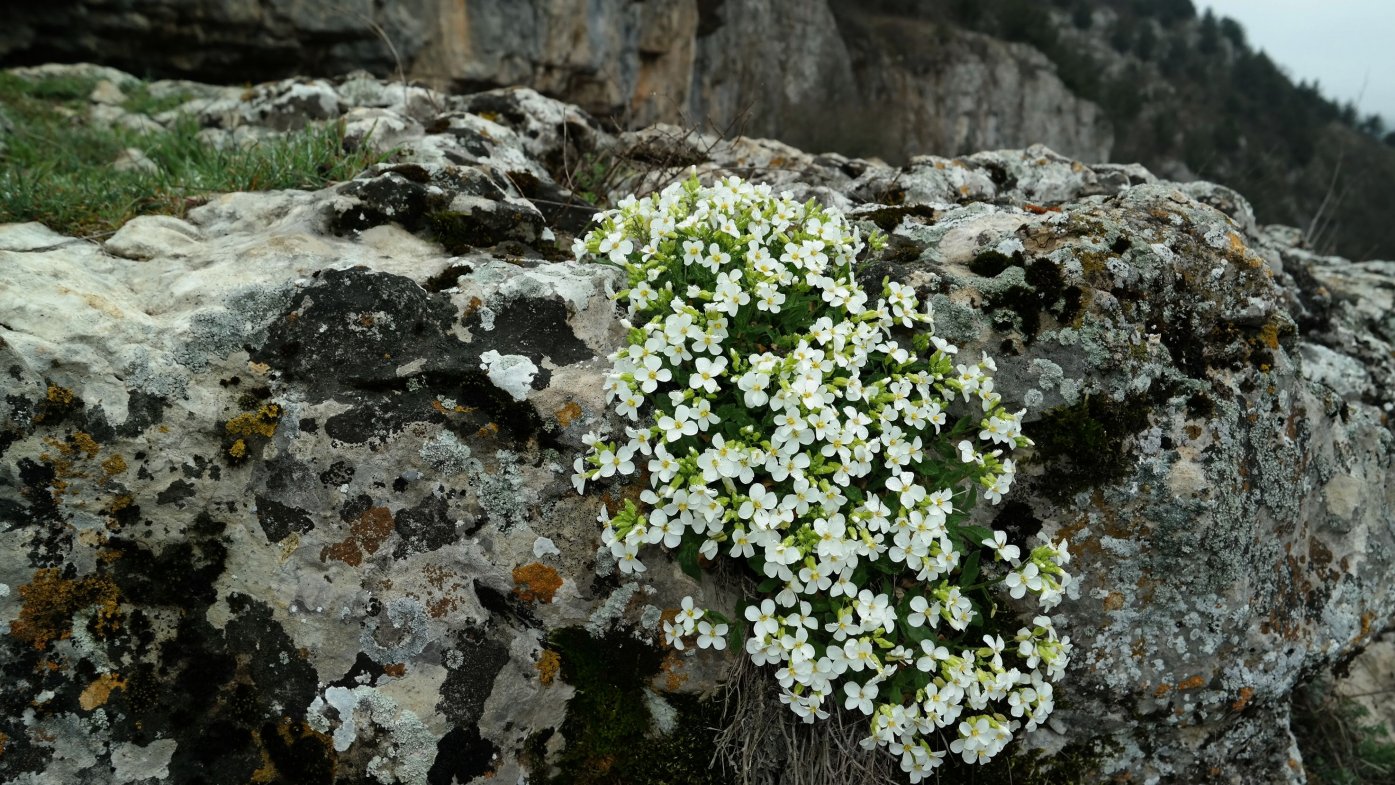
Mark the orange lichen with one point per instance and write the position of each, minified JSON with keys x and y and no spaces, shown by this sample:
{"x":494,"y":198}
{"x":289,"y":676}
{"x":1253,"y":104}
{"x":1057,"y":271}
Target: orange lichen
{"x":396,"y":670}
{"x":440,"y":407}
{"x":536,"y":582}
{"x":1191,"y":683}
{"x":568,"y":414}
{"x":59,"y":395}
{"x":366,"y":535}
{"x":50,"y":601}
{"x":1244,"y":700}
{"x":1161,"y":690}
{"x":549,"y":665}
{"x":672,"y":669}
{"x":1113,"y":601}
{"x":99,"y":692}
{"x":448,"y":591}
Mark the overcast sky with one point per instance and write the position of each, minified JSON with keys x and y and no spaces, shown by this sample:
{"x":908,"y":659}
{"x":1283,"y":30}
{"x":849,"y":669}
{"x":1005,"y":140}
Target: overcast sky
{"x":1344,"y":44}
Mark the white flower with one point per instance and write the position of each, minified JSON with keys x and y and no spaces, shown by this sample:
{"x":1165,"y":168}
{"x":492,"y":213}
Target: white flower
{"x":1003,"y":551}
{"x":1023,"y":579}
{"x":860,"y":696}
{"x":652,"y":373}
{"x":711,"y":637}
{"x":763,"y":618}
{"x":706,"y":373}
{"x":676,"y":426}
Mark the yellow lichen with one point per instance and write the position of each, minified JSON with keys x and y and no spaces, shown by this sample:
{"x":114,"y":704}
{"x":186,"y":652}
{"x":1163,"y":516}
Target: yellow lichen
{"x":238,"y":449}
{"x":98,"y":692}
{"x":114,"y":465}
{"x":59,"y":395}
{"x":549,"y":665}
{"x":259,"y":423}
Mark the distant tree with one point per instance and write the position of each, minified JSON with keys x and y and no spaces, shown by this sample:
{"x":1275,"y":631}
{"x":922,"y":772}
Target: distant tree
{"x":1210,"y":38}
{"x":1234,"y":31}
{"x":1374,"y":125}
{"x":968,"y":12}
{"x":1028,"y":22}
{"x":1226,"y":136}
{"x":1165,"y":129}
{"x":1390,"y":138}
{"x":1169,"y":12}
{"x":1083,"y":17}
{"x":1145,"y":44}
{"x":1122,"y":99}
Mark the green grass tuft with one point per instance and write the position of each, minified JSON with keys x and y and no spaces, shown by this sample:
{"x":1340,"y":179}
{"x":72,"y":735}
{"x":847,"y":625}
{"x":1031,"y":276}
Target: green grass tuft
{"x":1340,"y":744}
{"x":56,"y":164}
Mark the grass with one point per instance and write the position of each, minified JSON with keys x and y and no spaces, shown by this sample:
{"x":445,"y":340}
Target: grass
{"x":1340,"y":745}
{"x":56,"y":164}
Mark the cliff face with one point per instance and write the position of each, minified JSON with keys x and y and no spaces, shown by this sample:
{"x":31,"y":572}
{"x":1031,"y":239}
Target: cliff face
{"x":270,"y":516}
{"x":788,"y":69}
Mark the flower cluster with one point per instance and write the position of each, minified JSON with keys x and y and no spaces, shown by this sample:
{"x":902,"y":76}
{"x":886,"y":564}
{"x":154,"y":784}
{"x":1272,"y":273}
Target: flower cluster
{"x":832,"y":443}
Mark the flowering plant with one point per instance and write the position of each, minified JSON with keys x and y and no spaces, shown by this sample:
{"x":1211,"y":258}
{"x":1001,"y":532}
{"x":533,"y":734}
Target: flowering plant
{"x":779,"y":421}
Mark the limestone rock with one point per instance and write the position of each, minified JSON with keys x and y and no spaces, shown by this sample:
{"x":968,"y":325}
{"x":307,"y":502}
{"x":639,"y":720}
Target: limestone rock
{"x":133,"y":159}
{"x":106,"y":92}
{"x":149,"y":236}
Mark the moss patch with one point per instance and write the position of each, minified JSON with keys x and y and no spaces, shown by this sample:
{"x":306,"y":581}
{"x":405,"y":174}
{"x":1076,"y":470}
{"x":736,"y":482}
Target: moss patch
{"x":609,"y":730}
{"x":1076,"y":764}
{"x":1083,"y":444}
{"x":990,"y":263}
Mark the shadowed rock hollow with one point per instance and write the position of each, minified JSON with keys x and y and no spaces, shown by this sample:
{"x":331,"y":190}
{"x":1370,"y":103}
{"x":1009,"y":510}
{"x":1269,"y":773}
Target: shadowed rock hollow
{"x":272,"y":513}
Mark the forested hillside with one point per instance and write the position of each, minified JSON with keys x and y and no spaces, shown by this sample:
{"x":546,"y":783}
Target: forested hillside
{"x":1190,"y":97}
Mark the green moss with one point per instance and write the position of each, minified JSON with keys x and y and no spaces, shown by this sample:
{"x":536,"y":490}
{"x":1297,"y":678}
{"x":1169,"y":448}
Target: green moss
{"x":1083,"y":444}
{"x":459,"y":232}
{"x":609,"y":732}
{"x":1076,"y":764}
{"x":990,"y":263}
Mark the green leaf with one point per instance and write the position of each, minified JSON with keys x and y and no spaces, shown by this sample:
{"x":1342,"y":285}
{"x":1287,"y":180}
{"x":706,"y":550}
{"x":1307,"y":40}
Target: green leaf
{"x":974,"y":535}
{"x":688,"y":557}
{"x":970,"y":569}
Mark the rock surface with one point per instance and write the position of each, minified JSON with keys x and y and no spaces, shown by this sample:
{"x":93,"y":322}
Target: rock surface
{"x":284,"y":487}
{"x":848,"y":84}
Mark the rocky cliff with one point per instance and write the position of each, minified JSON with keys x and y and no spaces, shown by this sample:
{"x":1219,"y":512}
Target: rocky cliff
{"x":854,"y":82}
{"x":269,"y":516}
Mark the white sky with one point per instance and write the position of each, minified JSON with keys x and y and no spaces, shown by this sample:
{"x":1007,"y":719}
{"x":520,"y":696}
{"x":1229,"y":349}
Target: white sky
{"x":1344,"y":44}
